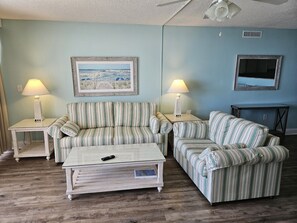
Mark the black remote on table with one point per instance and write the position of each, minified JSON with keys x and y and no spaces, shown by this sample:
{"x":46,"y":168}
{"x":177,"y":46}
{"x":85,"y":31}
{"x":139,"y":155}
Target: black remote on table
{"x":107,"y":157}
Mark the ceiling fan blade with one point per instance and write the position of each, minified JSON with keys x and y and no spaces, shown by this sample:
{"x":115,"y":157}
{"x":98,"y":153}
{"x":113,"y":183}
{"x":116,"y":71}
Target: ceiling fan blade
{"x":169,"y":3}
{"x":273,"y":2}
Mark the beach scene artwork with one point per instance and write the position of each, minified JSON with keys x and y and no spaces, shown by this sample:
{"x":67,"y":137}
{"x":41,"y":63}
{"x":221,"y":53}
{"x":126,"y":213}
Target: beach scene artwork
{"x":105,"y":76}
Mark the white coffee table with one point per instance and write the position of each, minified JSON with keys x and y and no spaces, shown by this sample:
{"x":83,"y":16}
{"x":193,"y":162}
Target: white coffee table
{"x":87,"y":173}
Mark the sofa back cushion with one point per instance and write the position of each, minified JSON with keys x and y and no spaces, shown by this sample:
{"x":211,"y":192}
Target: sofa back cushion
{"x":219,"y":123}
{"x":91,"y":114}
{"x":134,"y":114}
{"x":247,"y":132}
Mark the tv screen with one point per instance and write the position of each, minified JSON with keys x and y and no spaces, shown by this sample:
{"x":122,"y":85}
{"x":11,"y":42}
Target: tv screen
{"x":255,"y":72}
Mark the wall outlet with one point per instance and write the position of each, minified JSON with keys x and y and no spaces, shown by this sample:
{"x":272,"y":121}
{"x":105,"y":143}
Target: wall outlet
{"x":19,"y":88}
{"x":265,"y":116}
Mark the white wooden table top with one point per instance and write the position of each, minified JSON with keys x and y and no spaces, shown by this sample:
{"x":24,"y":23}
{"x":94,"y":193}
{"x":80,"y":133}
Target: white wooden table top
{"x":126,"y":153}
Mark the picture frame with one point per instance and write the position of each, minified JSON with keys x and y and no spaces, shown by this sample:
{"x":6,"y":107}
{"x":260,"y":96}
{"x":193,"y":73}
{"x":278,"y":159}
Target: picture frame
{"x":104,"y":76}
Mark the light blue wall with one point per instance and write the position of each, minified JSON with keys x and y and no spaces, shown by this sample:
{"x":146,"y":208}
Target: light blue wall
{"x":43,"y":50}
{"x":207,"y":63}
{"x":198,"y":55}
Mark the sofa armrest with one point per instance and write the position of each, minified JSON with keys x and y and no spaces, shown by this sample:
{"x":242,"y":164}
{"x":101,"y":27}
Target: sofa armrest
{"x":268,"y":154}
{"x":165,"y":125}
{"x":191,"y":130}
{"x":272,"y":140}
{"x":220,"y":159}
{"x":55,"y":129}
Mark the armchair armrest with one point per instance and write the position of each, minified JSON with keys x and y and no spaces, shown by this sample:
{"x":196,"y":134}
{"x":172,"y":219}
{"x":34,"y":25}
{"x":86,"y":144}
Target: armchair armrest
{"x":165,"y":125}
{"x":191,"y":130}
{"x":55,"y":129}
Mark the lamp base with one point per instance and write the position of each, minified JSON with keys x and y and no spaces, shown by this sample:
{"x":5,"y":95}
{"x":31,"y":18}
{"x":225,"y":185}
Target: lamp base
{"x":37,"y":110}
{"x":177,"y":106}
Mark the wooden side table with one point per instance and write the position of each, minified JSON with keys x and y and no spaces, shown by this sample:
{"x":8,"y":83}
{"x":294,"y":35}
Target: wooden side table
{"x":32,"y":149}
{"x":183,"y":118}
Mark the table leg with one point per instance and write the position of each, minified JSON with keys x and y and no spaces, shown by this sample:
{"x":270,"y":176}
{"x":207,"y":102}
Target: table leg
{"x":15,"y":145}
{"x":46,"y":145}
{"x":160,"y":175}
{"x":69,"y":182}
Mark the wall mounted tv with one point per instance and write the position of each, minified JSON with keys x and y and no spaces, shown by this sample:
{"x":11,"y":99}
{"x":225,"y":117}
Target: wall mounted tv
{"x":257,"y":72}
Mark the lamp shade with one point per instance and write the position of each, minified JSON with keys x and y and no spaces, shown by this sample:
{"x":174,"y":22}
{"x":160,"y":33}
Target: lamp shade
{"x":34,"y":87}
{"x":178,"y":86}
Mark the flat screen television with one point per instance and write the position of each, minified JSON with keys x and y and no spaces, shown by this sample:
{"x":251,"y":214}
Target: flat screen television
{"x":257,"y":72}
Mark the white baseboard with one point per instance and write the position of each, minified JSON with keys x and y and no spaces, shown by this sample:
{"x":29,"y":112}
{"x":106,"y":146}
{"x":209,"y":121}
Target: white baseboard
{"x":291,"y":132}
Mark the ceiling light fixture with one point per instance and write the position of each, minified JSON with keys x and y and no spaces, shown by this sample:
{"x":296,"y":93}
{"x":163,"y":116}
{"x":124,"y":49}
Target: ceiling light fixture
{"x":220,"y":10}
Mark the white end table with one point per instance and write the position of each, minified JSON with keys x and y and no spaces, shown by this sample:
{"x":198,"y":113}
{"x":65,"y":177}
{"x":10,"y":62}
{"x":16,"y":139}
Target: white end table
{"x":32,"y":149}
{"x":183,"y":118}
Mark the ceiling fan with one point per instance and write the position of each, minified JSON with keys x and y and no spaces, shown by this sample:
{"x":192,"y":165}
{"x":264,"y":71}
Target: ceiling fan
{"x":220,"y":10}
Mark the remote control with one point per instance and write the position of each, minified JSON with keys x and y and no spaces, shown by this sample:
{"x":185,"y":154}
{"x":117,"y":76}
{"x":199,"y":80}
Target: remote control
{"x":107,"y":158}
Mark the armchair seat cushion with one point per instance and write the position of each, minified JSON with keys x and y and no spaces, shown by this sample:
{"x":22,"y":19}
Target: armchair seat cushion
{"x":89,"y":137}
{"x":133,"y":135}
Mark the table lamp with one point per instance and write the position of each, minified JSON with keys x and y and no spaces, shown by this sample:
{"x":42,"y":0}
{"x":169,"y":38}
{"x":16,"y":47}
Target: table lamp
{"x":178,"y":86}
{"x":35,"y":87}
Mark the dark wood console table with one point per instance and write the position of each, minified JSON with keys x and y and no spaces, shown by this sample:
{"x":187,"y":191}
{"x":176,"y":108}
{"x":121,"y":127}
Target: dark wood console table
{"x":281,"y":113}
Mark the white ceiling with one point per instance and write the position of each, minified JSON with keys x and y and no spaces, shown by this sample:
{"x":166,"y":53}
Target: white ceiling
{"x":253,"y":14}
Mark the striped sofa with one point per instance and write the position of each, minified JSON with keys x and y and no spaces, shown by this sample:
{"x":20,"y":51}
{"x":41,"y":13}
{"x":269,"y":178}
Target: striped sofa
{"x":109,"y":123}
{"x":229,"y":158}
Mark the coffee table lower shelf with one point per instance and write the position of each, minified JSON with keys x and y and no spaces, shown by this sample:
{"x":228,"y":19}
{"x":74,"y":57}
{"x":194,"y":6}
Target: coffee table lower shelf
{"x":95,"y":179}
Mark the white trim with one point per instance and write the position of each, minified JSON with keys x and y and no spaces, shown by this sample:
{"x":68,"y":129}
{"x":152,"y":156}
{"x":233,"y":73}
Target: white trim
{"x":291,"y":131}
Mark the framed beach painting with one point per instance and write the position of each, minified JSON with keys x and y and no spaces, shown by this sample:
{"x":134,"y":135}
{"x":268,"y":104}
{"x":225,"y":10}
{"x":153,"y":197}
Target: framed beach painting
{"x":104,"y":76}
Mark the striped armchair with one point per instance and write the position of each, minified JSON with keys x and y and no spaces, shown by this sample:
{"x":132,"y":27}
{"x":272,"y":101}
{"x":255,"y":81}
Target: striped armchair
{"x":108,"y":123}
{"x":230,"y":158}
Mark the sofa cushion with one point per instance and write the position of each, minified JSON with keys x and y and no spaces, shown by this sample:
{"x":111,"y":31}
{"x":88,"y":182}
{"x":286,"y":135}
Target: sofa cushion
{"x":154,"y":124}
{"x":70,"y":128}
{"x":191,"y":130}
{"x":89,"y":137}
{"x":247,"y":132}
{"x":189,"y":147}
{"x":91,"y":114}
{"x":219,"y":123}
{"x":132,"y":135}
{"x":133,"y":114}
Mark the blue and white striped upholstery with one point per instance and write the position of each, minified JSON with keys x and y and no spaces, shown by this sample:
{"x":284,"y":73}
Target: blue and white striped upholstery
{"x":70,"y":128}
{"x":272,"y":140}
{"x":165,"y":125}
{"x":222,"y":167}
{"x":91,"y":114}
{"x":133,"y":114}
{"x":247,"y":132}
{"x":154,"y":124}
{"x":133,"y":135}
{"x":55,"y":129}
{"x":89,"y":137}
{"x":135,"y":122}
{"x":219,"y":123}
{"x":191,"y":130}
